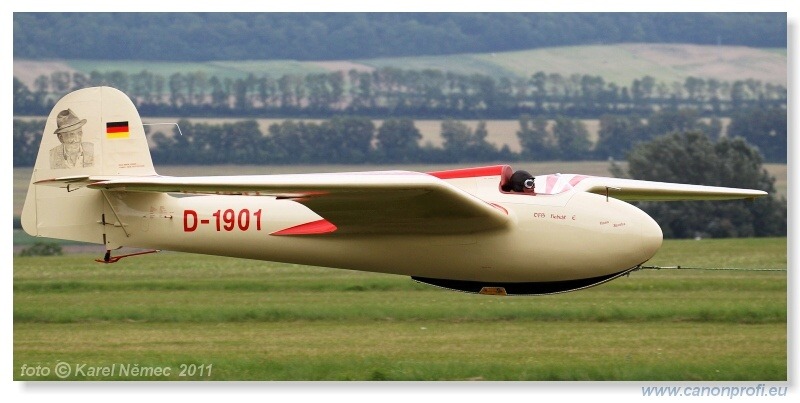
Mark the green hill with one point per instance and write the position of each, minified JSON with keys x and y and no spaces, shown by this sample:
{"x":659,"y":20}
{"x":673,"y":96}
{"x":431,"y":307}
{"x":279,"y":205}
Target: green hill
{"x":620,"y":64}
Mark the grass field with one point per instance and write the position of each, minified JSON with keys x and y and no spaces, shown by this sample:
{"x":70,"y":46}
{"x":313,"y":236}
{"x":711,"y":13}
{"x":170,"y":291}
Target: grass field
{"x":623,"y":63}
{"x":251,"y":320}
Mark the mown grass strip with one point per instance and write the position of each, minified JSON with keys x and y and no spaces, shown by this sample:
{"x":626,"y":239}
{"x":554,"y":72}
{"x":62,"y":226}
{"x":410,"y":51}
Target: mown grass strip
{"x":419,"y":350}
{"x":267,"y":321}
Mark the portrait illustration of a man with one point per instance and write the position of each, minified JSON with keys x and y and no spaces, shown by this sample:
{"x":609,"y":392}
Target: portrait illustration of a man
{"x":72,"y":152}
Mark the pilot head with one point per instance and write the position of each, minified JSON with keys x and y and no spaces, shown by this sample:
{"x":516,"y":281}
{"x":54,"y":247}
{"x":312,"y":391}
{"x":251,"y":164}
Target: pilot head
{"x":522,"y":181}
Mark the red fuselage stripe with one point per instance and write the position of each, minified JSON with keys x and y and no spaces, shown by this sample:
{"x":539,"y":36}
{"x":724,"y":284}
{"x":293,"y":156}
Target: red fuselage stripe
{"x":310,"y":228}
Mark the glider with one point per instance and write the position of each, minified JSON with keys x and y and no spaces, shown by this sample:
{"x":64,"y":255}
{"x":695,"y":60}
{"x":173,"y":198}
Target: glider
{"x":486,"y":230}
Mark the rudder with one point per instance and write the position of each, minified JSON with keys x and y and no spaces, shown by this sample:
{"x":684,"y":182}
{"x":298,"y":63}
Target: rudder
{"x":90,"y":132}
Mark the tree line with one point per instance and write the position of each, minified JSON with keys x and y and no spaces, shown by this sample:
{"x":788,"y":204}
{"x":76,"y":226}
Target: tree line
{"x":348,"y":36}
{"x":694,"y":156}
{"x":697,"y":158}
{"x":354,"y":140}
{"x":391,"y":91}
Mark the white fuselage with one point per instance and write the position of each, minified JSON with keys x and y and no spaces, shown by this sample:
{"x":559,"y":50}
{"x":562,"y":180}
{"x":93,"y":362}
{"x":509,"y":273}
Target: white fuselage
{"x":566,"y":236}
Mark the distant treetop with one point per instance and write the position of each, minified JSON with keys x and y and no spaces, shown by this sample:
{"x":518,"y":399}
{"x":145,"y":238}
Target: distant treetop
{"x":333,"y":36}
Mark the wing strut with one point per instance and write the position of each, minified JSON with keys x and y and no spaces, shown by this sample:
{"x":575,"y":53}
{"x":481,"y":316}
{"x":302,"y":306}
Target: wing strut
{"x":121,"y":224}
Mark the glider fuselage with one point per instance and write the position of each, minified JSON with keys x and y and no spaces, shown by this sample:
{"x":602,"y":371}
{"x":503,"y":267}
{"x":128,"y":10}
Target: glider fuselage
{"x":565,"y":236}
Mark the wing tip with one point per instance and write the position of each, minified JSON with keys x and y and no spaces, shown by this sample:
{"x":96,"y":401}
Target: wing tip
{"x":642,"y":190}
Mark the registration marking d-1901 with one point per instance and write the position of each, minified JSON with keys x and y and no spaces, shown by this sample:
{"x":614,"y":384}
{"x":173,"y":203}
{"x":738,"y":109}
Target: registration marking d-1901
{"x":224,"y":220}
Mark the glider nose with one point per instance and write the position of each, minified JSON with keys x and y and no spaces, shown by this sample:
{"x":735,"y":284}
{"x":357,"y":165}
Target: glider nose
{"x":651,"y":237}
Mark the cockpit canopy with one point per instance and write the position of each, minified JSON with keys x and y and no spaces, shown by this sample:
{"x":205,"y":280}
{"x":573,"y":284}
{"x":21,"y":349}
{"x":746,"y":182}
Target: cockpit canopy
{"x":519,"y":182}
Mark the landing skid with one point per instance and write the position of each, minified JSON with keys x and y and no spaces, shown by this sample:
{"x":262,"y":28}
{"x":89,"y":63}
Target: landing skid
{"x":114,"y":259}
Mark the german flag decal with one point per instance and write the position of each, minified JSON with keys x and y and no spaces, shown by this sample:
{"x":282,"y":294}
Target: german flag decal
{"x":117,"y":130}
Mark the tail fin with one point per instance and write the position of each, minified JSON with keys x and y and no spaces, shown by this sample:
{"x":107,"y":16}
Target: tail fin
{"x":90,"y":132}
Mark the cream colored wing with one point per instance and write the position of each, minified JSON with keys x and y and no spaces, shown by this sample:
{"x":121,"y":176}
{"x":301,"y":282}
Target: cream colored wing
{"x":390,"y":202}
{"x":639,"y":190}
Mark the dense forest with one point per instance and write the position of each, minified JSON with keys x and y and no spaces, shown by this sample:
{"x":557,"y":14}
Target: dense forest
{"x":335,"y":36}
{"x":696,"y":158}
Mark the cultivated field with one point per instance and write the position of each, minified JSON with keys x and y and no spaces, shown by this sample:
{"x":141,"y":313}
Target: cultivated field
{"x":211,"y":318}
{"x":620,"y":64}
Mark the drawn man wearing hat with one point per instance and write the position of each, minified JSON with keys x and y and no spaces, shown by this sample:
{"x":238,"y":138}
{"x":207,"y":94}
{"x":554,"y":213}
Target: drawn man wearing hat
{"x":72,"y":153}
